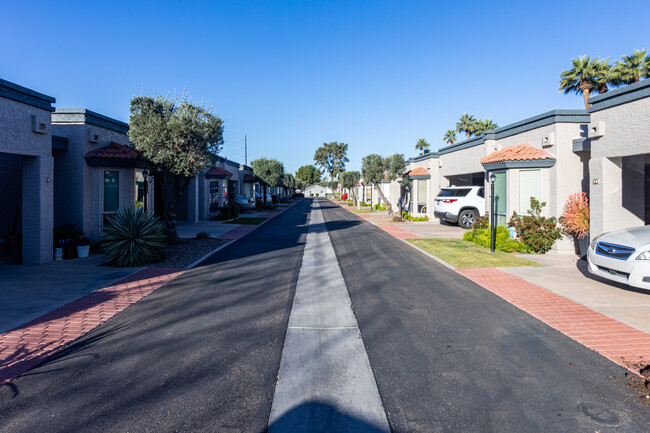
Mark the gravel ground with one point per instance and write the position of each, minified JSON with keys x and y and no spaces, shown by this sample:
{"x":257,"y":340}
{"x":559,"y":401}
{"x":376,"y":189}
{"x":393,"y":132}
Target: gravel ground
{"x":188,"y":251}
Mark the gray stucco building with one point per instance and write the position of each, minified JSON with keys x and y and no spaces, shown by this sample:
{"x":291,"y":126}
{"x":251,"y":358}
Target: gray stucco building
{"x":26,"y":173}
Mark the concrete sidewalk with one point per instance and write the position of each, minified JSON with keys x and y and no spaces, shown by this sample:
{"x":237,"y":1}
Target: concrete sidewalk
{"x":28,"y":292}
{"x":218,"y":228}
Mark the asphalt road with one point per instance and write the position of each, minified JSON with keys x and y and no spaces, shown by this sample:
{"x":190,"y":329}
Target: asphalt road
{"x":200,"y":354}
{"x":449,"y":356}
{"x":203,"y":353}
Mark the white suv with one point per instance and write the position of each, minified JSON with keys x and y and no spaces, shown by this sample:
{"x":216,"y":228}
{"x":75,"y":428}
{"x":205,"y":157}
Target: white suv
{"x":460,"y":204}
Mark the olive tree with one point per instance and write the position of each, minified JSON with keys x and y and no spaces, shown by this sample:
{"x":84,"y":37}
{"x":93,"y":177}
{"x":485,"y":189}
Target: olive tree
{"x":375,"y":168}
{"x":179,"y":138}
{"x":349,"y":179}
{"x":270,"y":171}
{"x":309,"y":174}
{"x":332,"y":158}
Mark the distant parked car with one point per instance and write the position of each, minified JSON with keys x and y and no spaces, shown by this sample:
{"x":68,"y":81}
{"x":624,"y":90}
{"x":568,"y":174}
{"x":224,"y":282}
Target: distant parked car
{"x":259,"y":198}
{"x":622,"y":256}
{"x":460,"y":205}
{"x":245,"y":203}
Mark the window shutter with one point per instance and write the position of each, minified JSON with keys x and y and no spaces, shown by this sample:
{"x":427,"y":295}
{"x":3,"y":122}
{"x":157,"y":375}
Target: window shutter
{"x":530,"y":185}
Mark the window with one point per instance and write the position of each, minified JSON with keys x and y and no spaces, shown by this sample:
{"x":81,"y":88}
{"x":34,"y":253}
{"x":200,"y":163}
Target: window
{"x":139,"y":189}
{"x":368,"y":193}
{"x":214,"y":195}
{"x":421,"y":191}
{"x":111,"y":192}
{"x":530,"y":185}
{"x":481,"y":192}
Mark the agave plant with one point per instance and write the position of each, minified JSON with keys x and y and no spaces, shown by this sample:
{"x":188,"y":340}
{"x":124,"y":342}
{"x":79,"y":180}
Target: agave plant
{"x":134,"y":237}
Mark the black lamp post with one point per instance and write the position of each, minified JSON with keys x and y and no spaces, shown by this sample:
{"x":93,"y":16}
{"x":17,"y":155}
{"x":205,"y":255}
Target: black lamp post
{"x":492,"y":213}
{"x":145,"y":175}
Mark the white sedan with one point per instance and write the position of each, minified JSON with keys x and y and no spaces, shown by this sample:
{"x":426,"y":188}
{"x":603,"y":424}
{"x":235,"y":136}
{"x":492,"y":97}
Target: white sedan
{"x":622,"y":256}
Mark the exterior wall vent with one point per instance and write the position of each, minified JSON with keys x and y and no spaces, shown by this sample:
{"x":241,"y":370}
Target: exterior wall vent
{"x":39,"y":126}
{"x":92,"y":137}
{"x":548,"y":140}
{"x":597,"y":130}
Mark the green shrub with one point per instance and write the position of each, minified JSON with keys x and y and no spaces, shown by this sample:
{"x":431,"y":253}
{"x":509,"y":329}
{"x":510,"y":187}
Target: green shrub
{"x":406,"y":216}
{"x":363,"y":204}
{"x":133,"y":238}
{"x":317,"y":194}
{"x":202,"y":235}
{"x":537,"y":232}
{"x":311,"y":194}
{"x":379,"y":207}
{"x":503,"y":242}
{"x":270,"y":205}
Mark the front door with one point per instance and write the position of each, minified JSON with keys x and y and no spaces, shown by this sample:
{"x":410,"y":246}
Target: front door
{"x":501,"y":197}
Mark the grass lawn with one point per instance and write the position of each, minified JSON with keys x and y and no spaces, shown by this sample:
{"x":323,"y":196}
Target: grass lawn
{"x":362,"y":210}
{"x":247,"y":221}
{"x":463,"y":254}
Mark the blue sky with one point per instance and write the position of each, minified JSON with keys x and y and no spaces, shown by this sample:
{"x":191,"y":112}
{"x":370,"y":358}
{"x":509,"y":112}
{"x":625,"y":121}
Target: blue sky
{"x":291,"y":75}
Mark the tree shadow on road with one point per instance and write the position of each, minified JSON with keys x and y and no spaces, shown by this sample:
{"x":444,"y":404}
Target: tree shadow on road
{"x":315,"y":416}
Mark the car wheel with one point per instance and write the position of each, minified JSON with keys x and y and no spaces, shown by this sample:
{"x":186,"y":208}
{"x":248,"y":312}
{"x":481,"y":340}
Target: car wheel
{"x":467,"y":218}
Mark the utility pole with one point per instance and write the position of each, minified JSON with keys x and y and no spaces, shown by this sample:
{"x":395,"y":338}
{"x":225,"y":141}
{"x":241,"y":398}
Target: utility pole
{"x":245,"y":150}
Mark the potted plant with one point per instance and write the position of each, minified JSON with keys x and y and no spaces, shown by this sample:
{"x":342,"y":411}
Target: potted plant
{"x":58,"y":250}
{"x":66,"y":237}
{"x":575,"y":220}
{"x":83,"y":246}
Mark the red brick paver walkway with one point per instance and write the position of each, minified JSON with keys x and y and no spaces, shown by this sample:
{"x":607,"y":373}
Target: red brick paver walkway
{"x":398,"y":232}
{"x":616,"y":341}
{"x":30,"y":344}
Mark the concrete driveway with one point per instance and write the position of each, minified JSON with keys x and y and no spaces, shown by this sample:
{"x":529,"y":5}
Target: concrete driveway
{"x":567,"y":276}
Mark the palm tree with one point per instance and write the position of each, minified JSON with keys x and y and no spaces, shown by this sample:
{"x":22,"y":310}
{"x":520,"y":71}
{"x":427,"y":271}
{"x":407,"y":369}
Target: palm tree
{"x":422,"y":146}
{"x":484,"y":126}
{"x":581,"y":77}
{"x":466,"y":123}
{"x":646,"y":67}
{"x":603,"y":76}
{"x":631,"y":69}
{"x":450,"y":137}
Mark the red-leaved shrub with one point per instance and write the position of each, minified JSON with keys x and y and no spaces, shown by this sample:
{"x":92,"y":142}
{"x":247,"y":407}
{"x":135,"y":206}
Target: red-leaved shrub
{"x":575,"y":218}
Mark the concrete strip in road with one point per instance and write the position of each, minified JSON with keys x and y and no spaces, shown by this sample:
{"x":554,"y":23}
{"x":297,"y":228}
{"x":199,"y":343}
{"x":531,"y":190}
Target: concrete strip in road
{"x":325,"y":382}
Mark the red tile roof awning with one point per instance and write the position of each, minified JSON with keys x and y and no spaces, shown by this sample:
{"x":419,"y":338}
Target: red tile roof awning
{"x":114,"y":151}
{"x":217,"y":173}
{"x":522,"y":152}
{"x":419,"y":173}
{"x":115,"y":154}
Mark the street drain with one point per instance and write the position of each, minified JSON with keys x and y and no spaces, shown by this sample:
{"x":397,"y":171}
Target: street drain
{"x":600,"y":414}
